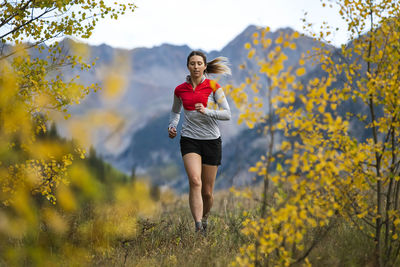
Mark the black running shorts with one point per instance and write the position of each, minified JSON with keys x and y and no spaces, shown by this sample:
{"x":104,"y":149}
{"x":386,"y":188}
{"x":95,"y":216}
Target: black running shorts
{"x":209,"y":150}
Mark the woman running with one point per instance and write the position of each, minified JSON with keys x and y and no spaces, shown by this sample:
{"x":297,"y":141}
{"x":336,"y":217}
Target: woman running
{"x":200,"y":142}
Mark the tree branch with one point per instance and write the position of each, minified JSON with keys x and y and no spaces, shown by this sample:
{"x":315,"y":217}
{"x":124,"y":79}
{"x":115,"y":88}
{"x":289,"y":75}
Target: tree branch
{"x":27,"y":22}
{"x":6,"y":20}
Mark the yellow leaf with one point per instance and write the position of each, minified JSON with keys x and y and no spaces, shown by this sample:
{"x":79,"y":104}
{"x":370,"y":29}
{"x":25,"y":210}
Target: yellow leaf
{"x":213,"y":85}
{"x":251,"y":53}
{"x":286,"y":145}
{"x":66,"y":198}
{"x":114,"y":85}
{"x":309,"y":106}
{"x":299,"y":236}
{"x":279,"y":40}
{"x":300,"y":71}
{"x":279,"y":167}
{"x":286,"y":44}
{"x":253,"y":169}
{"x":250,"y":125}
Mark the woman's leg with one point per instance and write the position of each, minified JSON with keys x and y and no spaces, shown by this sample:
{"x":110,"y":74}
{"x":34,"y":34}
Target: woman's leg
{"x":208,"y":174}
{"x":192,"y":162}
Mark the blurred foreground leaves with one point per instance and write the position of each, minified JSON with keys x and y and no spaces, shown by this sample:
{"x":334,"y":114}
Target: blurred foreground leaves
{"x":91,"y":207}
{"x":56,"y":206}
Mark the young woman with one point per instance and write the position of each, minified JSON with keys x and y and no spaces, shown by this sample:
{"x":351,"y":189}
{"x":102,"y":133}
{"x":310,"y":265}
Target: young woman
{"x":200,"y":136}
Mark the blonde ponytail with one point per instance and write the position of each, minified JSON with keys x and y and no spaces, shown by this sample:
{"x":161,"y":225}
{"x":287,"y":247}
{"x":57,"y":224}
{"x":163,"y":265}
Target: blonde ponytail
{"x":219,"y":65}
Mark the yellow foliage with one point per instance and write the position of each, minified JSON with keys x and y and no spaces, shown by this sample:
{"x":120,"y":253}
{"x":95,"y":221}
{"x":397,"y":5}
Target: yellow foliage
{"x":55,"y":221}
{"x":300,"y":71}
{"x":330,"y":170}
{"x":82,"y":178}
{"x":33,"y":92}
{"x":66,"y":199}
{"x":114,"y":85}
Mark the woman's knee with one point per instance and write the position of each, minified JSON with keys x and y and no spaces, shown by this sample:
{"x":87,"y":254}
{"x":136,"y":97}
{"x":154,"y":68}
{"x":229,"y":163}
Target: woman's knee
{"x":207,"y":194}
{"x":195,"y":182}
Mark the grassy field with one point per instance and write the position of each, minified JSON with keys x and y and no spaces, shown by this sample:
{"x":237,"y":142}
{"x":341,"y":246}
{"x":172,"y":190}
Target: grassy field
{"x":168,"y":239}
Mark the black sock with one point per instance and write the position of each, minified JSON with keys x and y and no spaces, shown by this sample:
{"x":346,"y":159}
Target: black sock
{"x":198,"y":226}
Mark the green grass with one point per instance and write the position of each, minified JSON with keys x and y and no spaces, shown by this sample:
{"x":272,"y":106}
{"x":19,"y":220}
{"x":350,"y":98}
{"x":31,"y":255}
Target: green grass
{"x":344,"y":245}
{"x":169,"y":239}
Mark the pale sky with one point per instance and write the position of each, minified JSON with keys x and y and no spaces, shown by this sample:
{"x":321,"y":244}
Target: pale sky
{"x":207,"y":24}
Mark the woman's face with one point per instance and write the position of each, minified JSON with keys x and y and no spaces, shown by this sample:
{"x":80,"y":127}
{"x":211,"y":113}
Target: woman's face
{"x":196,"y":66}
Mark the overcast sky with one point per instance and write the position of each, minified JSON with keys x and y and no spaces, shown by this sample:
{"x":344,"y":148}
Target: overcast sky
{"x":207,"y":24}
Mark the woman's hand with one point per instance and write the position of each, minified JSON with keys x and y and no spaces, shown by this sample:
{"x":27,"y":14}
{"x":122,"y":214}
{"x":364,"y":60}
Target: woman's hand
{"x":171,"y":132}
{"x":200,"y":108}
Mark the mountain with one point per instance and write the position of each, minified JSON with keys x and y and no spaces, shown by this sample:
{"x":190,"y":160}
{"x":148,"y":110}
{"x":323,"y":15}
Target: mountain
{"x":149,"y":148}
{"x":151,"y":75}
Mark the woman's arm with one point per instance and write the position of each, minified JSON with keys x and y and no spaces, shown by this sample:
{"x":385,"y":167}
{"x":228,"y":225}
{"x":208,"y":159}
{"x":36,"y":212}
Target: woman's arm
{"x":225,"y":113}
{"x":175,"y":113}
